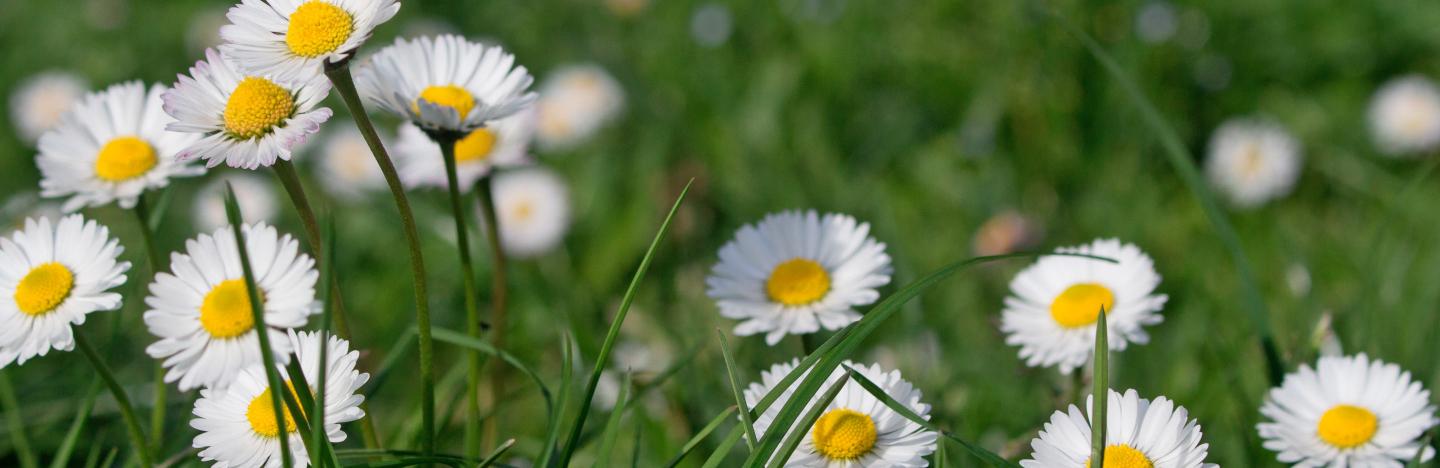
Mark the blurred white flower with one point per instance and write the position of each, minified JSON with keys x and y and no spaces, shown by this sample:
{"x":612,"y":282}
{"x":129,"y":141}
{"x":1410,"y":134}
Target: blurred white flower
{"x":39,"y":102}
{"x":1006,"y":232}
{"x":500,"y":143}
{"x":575,"y":102}
{"x":347,"y":169}
{"x":1405,"y":116}
{"x":1156,"y":22}
{"x":1252,"y":161}
{"x":533,"y":207}
{"x":291,"y":40}
{"x":1139,"y":434}
{"x":1297,"y":277}
{"x":27,"y":205}
{"x":445,"y":83}
{"x":254,"y":193}
{"x":711,"y":24}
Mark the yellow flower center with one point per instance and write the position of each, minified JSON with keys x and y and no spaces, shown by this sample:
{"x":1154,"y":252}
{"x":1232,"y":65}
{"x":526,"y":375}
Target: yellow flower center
{"x":256,"y":107}
{"x":475,"y":147}
{"x":1079,"y":305}
{"x":450,"y":96}
{"x":1346,"y":426}
{"x":522,"y":210}
{"x":318,"y":28}
{"x":44,"y":288}
{"x":124,"y":158}
{"x":844,"y":434}
{"x":798,"y":281}
{"x":1123,"y":456}
{"x":261,"y":414}
{"x":225,"y":313}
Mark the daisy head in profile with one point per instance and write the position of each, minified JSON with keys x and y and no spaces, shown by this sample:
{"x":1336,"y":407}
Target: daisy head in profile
{"x":200,"y":311}
{"x":1348,"y":411}
{"x":501,"y":143}
{"x":238,"y":425}
{"x":1054,"y":303}
{"x":795,"y":272}
{"x":51,"y":277}
{"x":1139,"y":433}
{"x":294,"y":39}
{"x":532,"y":206}
{"x":856,"y":428}
{"x":1405,"y":116}
{"x":112,"y":147}
{"x":445,"y":83}
{"x":1252,"y":161}
{"x":244,"y":120}
{"x":38,"y":103}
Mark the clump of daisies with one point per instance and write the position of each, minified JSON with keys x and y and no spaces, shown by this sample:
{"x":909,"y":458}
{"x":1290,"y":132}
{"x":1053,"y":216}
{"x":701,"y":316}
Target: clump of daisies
{"x":1054,"y":303}
{"x":38,"y":103}
{"x":1405,"y":116}
{"x":532,"y":208}
{"x":51,"y":277}
{"x":293,"y":39}
{"x":796,"y":272}
{"x":1348,"y":411}
{"x":1139,"y":433}
{"x":856,"y":429}
{"x":576,"y":101}
{"x":1252,"y":161}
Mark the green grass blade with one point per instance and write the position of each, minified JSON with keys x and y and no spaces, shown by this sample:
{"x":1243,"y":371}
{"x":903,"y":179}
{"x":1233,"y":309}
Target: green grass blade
{"x":612,"y":427}
{"x":16,"y":423}
{"x":393,"y":358}
{"x":467,"y":341}
{"x":1100,"y":396}
{"x":699,"y":437}
{"x":579,"y":424}
{"x":327,"y":314}
{"x":302,"y":403}
{"x":567,"y":372}
{"x":792,"y":440}
{"x":723,"y":450}
{"x":495,"y":455}
{"x":985,"y":455}
{"x":647,"y":387}
{"x":734,"y":378}
{"x":72,"y":436}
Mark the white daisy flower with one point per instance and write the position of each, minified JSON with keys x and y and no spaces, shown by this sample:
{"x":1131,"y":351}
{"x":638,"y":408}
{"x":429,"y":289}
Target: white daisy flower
{"x":445,"y":83}
{"x":200,"y":310}
{"x":856,"y":428}
{"x":1405,"y":116}
{"x":1252,"y":161}
{"x":255,"y":194}
{"x":1140,"y":434}
{"x":51,"y":278}
{"x":575,"y":102}
{"x":238,"y":427}
{"x":533,"y":208}
{"x":293,"y":39}
{"x":347,"y":170}
{"x":247,"y":121}
{"x":38,"y":103}
{"x":1348,"y":412}
{"x":1054,"y":303}
{"x":795,"y":272}
{"x":111,"y":147}
{"x":500,"y":143}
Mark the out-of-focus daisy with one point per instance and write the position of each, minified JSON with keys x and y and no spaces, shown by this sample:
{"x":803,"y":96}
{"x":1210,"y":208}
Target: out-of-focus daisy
{"x":1405,"y":116}
{"x":347,"y":170}
{"x":1252,"y":161}
{"x":533,"y":209}
{"x":112,"y":147}
{"x":200,"y":310}
{"x":39,"y":102}
{"x":24,"y":205}
{"x":238,"y":426}
{"x":1006,"y":232}
{"x":1054,"y":303}
{"x":293,"y":39}
{"x":255,"y":194}
{"x":247,"y":121}
{"x":1349,"y":411}
{"x":797,"y":271}
{"x":446,"y":82}
{"x":575,"y":101}
{"x":856,"y":429}
{"x":501,"y":143}
{"x":51,"y":277}
{"x":1140,"y":434}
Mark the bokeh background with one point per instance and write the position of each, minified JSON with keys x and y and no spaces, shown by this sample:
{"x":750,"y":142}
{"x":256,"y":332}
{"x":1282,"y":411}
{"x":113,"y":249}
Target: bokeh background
{"x":954,"y":128}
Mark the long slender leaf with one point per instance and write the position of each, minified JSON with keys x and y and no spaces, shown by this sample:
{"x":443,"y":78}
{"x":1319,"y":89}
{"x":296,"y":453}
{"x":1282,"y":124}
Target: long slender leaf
{"x":699,"y":437}
{"x":612,"y":427}
{"x":1100,"y":396}
{"x":870,"y":386}
{"x":552,"y":433}
{"x":72,"y":436}
{"x":723,"y":450}
{"x":734,"y":378}
{"x":792,"y":440}
{"x":327,"y":314}
{"x":497,"y":453}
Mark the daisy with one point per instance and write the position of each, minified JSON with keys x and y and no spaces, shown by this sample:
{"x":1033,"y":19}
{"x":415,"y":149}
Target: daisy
{"x":575,"y":101}
{"x":347,"y":169}
{"x":446,"y":83}
{"x":795,"y":272}
{"x":1348,"y":411}
{"x":51,"y":277}
{"x":247,"y":120}
{"x":1252,"y":161}
{"x":293,"y":39}
{"x":200,"y":310}
{"x":533,"y":208}
{"x":39,"y":102}
{"x":1054,"y":303}
{"x":856,"y":428}
{"x":238,"y":426}
{"x":1140,"y":434}
{"x":1405,"y":116}
{"x":111,"y":147}
{"x":500,"y":143}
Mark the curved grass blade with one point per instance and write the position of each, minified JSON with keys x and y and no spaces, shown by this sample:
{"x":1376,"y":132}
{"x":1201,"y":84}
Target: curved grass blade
{"x":72,"y":436}
{"x":985,"y":455}
{"x":792,"y":440}
{"x":745,"y":419}
{"x":16,"y":423}
{"x":612,"y":427}
{"x":497,"y":453}
{"x":567,"y":370}
{"x":700,"y":436}
{"x":1100,"y":396}
{"x":465,"y":340}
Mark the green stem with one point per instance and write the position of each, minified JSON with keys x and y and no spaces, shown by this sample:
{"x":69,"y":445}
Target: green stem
{"x":162,"y":391}
{"x":127,"y":412}
{"x":262,"y":330}
{"x":339,"y":74}
{"x":447,"y":140}
{"x":498,"y":298}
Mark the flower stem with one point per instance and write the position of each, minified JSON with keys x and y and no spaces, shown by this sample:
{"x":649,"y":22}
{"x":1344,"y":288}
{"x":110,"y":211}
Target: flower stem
{"x":162,"y":391}
{"x":132,"y":423}
{"x":447,"y":141}
{"x":498,"y":300}
{"x":339,"y":74}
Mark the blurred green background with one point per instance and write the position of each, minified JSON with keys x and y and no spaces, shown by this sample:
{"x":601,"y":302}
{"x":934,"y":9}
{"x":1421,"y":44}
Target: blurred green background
{"x":924,"y":118}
